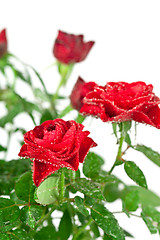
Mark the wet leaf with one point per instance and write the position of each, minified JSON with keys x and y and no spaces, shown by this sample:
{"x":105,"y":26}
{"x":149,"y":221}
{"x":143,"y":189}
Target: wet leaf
{"x":107,"y":222}
{"x":149,"y":153}
{"x":88,"y":188}
{"x":31,"y":214}
{"x":25,"y":188}
{"x":135,"y":173}
{"x":131,"y":201}
{"x":79,"y":202}
{"x":146,"y":197}
{"x":47,"y":192}
{"x":9,"y":172}
{"x":19,"y":234}
{"x":48,"y":233}
{"x":65,"y":226}
{"x":4,"y":236}
{"x":92,"y":165}
{"x":95,"y":230}
{"x":149,"y":224}
{"x":9,"y":214}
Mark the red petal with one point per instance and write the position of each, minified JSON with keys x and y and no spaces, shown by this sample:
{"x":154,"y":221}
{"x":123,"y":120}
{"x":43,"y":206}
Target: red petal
{"x":41,"y":170}
{"x":86,"y":144}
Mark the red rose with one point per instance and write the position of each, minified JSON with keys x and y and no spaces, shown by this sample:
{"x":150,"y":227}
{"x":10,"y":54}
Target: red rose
{"x":55,"y":144}
{"x":121,"y":101}
{"x":69,"y":48}
{"x":81,"y":88}
{"x":3,"y":43}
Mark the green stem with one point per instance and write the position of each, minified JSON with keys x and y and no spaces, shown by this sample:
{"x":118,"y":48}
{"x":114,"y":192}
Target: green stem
{"x":58,"y":88}
{"x":65,"y":72}
{"x":82,"y":229}
{"x":40,"y":79}
{"x":45,"y":217}
{"x":119,"y":153}
{"x":62,"y":187}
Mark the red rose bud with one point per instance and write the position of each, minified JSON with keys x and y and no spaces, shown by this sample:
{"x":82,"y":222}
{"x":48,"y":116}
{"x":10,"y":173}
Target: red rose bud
{"x":3,"y":43}
{"x":69,"y":48}
{"x":121,"y":101}
{"x":81,"y":88}
{"x":55,"y":144}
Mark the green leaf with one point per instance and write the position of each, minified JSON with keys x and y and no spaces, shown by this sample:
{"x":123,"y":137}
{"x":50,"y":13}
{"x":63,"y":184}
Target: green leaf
{"x":9,"y":213}
{"x":19,"y":234}
{"x":25,"y":188}
{"x":107,"y":222}
{"x":107,"y":237}
{"x":14,"y":198}
{"x":85,"y":235}
{"x":149,"y":153}
{"x":104,"y":177}
{"x":48,"y":233}
{"x":40,"y":94}
{"x":8,"y":118}
{"x":92,"y":165}
{"x":152,"y":213}
{"x":111,"y":192}
{"x":65,"y":226}
{"x":80,"y":205}
{"x":4,"y":236}
{"x":95,"y":230}
{"x":81,"y":218}
{"x":2,"y":149}
{"x":127,"y":234}
{"x":47,"y":192}
{"x":131,"y":201}
{"x":128,"y":139}
{"x":127,"y":126}
{"x":135,"y":173}
{"x":114,"y":126}
{"x":88,"y":188}
{"x":146,"y":197}
{"x":149,"y":224}
{"x":9,"y":172}
{"x":31,"y":214}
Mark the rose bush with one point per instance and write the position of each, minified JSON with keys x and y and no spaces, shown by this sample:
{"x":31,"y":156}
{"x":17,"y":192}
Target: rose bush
{"x":29,"y":205}
{"x":121,"y":101}
{"x":3,"y":43}
{"x":80,"y":90}
{"x":69,"y":48}
{"x":55,"y":144}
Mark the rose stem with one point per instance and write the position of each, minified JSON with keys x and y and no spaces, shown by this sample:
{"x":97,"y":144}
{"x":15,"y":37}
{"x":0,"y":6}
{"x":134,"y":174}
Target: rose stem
{"x":62,"y":187}
{"x":82,"y":229}
{"x":119,"y":154}
{"x":64,"y":77}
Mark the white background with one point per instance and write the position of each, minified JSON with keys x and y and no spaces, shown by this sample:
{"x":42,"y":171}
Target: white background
{"x":127,"y":36}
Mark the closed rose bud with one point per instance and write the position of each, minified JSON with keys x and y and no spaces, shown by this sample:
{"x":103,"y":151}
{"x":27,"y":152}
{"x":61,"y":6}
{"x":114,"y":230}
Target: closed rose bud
{"x":3,"y":43}
{"x":81,"y":88}
{"x":69,"y":48}
{"x":121,"y":101}
{"x":55,"y":144}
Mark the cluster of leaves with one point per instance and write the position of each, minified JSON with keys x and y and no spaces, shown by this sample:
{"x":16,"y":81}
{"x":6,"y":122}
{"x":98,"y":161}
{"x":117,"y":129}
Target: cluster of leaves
{"x":27,"y":212}
{"x":23,"y":214}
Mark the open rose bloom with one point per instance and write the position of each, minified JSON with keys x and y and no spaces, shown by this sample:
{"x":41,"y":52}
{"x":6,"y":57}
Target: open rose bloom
{"x":3,"y":43}
{"x":69,"y":48}
{"x":55,"y":144}
{"x":121,"y":101}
